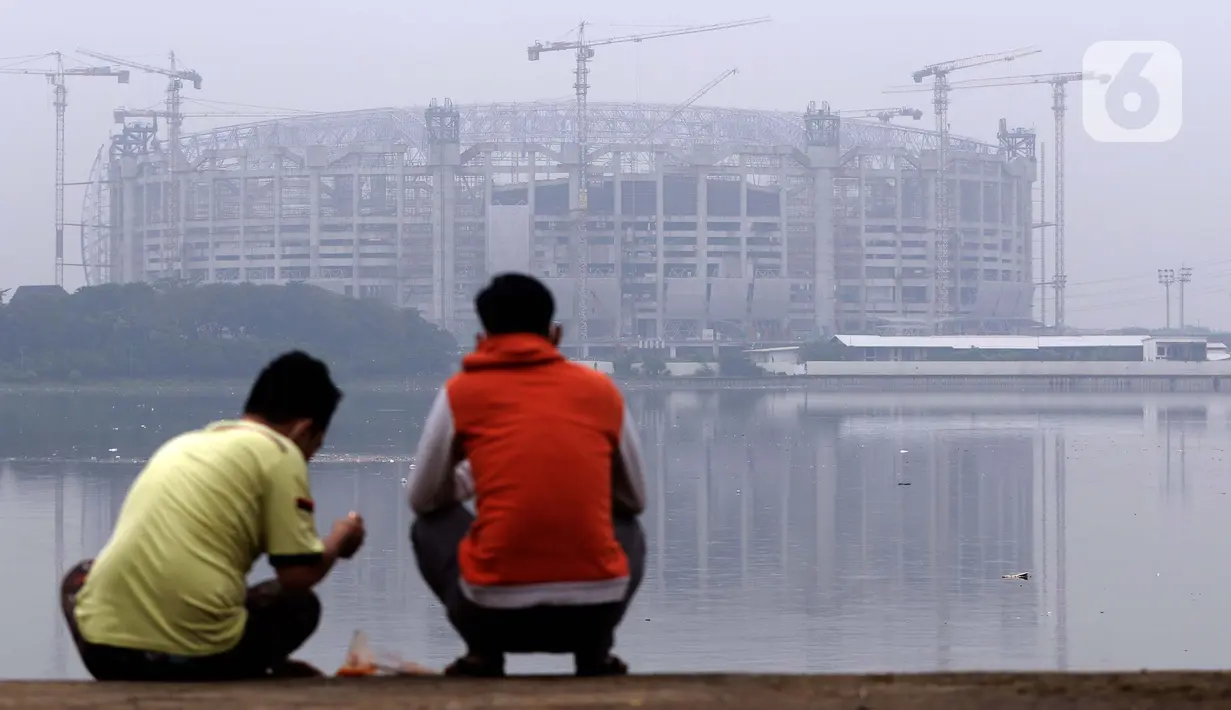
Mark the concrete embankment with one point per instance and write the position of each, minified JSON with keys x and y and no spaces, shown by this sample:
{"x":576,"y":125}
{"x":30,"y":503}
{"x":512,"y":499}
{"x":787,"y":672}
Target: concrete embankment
{"x":1003,"y":691}
{"x":941,"y":377}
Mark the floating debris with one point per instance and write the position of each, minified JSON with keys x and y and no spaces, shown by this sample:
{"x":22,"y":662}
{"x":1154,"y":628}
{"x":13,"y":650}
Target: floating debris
{"x":1019,"y":575}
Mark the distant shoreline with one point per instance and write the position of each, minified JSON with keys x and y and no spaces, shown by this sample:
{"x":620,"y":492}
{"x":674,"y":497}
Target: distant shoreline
{"x":864,"y":378}
{"x":198,"y":387}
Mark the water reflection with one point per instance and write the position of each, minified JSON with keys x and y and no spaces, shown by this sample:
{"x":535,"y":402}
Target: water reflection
{"x":787,"y":532}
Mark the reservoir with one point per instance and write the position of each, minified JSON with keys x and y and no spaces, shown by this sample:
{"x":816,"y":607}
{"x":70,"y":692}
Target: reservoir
{"x":789,"y":531}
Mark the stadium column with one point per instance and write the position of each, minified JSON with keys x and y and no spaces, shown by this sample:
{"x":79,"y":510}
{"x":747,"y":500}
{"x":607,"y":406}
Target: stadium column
{"x":133,"y":263}
{"x":246,"y":267}
{"x":316,"y":159}
{"x":279,"y":168}
{"x":624,"y":324}
{"x":443,"y":158}
{"x":356,"y":181}
{"x":660,"y":265}
{"x":400,"y":296}
{"x":704,"y":159}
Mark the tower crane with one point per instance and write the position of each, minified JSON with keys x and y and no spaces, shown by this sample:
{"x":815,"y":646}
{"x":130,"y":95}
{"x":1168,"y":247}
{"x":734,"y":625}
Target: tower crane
{"x":583,"y":49}
{"x":884,"y":115}
{"x":1058,"y":83}
{"x":175,"y":120}
{"x":56,"y":77}
{"x":940,"y":103}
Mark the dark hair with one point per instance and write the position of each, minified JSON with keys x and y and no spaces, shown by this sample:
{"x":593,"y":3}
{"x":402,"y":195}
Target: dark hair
{"x":293,"y":386}
{"x":515,"y":303}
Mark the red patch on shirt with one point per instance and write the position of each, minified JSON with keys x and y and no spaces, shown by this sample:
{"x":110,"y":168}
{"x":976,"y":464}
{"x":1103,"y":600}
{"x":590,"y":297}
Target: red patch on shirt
{"x":305,"y":504}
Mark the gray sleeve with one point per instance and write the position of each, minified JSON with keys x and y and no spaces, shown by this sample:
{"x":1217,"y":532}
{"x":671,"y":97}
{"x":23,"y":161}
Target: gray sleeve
{"x":434,"y":484}
{"x":627,"y":471}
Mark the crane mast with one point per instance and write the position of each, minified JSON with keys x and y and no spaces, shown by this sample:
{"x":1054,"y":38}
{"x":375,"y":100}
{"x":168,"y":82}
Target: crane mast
{"x":173,"y":233}
{"x":1057,"y":262}
{"x":175,"y":122}
{"x":940,"y":104}
{"x":583,"y":52}
{"x":1059,"y":83}
{"x":581,"y":89}
{"x":56,"y":77}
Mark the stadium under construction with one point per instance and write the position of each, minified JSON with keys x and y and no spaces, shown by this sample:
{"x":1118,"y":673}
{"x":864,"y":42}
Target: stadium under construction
{"x":702,"y":224}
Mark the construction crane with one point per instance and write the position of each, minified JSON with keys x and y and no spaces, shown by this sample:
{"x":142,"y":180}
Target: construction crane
{"x":687,"y":102}
{"x":884,"y":115}
{"x":1058,"y":82}
{"x":940,"y":103}
{"x":583,"y":52}
{"x":56,"y":77}
{"x":175,"y":120}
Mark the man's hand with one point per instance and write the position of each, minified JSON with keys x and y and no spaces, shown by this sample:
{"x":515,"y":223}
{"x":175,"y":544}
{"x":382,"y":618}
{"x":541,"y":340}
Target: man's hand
{"x":349,"y":533}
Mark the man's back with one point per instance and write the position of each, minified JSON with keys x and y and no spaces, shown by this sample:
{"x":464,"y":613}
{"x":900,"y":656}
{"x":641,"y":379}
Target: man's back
{"x":541,"y":436}
{"x":172,"y":577}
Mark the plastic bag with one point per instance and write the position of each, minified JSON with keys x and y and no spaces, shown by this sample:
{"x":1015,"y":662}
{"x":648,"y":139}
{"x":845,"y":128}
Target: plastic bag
{"x":362,"y":660}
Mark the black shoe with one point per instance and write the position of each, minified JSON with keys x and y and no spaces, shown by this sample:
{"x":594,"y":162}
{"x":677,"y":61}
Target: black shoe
{"x":291,"y":668}
{"x":602,"y":666}
{"x":476,"y":666}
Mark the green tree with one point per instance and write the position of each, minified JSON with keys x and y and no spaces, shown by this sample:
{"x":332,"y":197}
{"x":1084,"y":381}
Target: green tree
{"x":653,"y":366}
{"x":172,"y":329}
{"x":738,"y":364}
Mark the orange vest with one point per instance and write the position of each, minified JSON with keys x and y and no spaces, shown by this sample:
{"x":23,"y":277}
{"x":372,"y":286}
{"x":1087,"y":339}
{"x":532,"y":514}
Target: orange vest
{"x":540,"y":434}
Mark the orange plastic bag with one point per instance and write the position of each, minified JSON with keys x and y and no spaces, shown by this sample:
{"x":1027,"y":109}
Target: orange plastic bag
{"x":362,"y":660}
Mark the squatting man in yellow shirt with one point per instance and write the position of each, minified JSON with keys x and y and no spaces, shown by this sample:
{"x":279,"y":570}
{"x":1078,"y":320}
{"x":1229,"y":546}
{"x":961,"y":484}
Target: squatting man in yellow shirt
{"x":166,"y":599}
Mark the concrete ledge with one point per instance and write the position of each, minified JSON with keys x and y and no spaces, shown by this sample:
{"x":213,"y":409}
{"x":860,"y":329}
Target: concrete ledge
{"x":975,"y":691}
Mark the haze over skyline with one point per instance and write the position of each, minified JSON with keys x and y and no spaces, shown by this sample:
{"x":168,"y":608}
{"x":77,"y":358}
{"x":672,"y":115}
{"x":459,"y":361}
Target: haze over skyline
{"x":1132,"y":208}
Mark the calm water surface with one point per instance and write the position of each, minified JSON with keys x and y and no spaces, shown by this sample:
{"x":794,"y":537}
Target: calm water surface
{"x":788,"y":532}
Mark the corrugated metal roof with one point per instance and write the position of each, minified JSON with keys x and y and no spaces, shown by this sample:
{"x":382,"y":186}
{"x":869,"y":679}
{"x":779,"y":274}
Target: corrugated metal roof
{"x":992,"y":342}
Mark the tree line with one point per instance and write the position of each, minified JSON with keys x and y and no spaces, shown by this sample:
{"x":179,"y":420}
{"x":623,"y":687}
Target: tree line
{"x":176,"y":330}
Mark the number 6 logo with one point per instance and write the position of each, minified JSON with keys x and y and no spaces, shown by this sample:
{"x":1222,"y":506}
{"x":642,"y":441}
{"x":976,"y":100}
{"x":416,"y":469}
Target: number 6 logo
{"x":1144,"y":100}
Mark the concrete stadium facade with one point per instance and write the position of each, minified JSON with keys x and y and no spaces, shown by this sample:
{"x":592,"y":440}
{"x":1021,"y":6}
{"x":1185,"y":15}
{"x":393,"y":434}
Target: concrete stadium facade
{"x":703,"y":224}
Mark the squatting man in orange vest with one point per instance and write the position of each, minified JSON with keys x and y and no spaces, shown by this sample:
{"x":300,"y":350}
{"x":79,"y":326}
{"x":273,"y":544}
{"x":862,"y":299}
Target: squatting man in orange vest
{"x":549,"y":452}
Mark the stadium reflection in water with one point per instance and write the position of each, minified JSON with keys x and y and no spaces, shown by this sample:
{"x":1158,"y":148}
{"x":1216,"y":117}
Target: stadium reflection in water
{"x":789,"y":532}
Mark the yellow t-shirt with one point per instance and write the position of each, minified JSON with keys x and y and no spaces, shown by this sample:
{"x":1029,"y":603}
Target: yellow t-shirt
{"x":172,"y":578}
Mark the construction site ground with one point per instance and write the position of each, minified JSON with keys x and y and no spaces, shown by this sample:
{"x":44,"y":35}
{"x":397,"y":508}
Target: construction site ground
{"x":1003,"y":691}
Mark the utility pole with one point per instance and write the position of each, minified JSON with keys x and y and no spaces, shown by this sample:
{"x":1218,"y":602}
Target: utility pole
{"x":1166,"y":277}
{"x":1186,"y":275}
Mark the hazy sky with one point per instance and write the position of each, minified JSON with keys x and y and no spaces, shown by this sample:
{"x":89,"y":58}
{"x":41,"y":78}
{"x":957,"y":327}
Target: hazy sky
{"x":1132,"y":208}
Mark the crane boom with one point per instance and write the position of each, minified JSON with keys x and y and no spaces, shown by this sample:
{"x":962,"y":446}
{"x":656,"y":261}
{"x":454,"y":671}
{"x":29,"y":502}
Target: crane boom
{"x":173,"y":72}
{"x":122,"y":113}
{"x":884,"y":115}
{"x":688,"y":102}
{"x":1018,"y":80}
{"x":57,"y":76}
{"x":978,"y":60}
{"x":583,"y":52}
{"x":538,"y":47}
